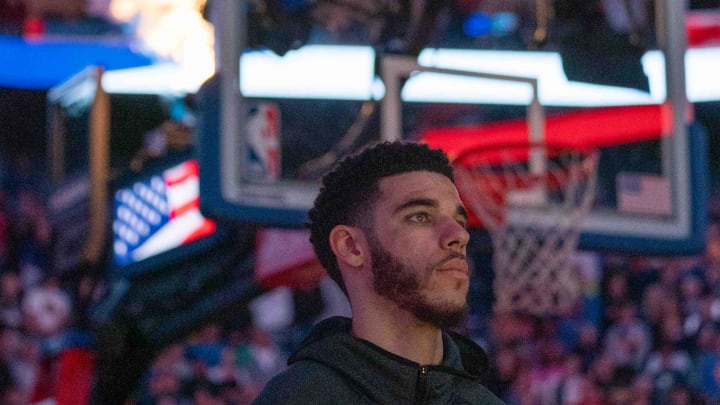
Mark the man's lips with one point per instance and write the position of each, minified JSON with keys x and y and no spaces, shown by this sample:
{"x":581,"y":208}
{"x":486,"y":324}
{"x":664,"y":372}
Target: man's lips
{"x":458,"y":267}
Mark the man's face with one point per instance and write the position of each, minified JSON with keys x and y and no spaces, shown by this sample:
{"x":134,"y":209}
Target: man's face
{"x":418,"y":247}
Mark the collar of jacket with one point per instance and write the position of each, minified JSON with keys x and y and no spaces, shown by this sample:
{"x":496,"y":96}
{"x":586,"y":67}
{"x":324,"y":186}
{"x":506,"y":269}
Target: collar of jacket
{"x":374,"y":369}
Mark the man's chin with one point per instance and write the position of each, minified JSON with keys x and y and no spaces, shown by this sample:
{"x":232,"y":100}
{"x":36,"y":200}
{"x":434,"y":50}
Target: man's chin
{"x":445,"y":317}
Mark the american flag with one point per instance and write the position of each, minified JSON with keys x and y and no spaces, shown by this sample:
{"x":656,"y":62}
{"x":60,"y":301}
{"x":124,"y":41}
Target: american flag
{"x":159,"y":214}
{"x":644,"y":194}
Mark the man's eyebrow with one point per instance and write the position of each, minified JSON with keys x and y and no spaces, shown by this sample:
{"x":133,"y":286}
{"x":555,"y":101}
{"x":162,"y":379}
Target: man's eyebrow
{"x":418,"y":202}
{"x":428,"y":202}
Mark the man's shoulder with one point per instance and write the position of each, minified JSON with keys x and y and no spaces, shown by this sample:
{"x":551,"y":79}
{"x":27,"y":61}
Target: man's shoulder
{"x":311,"y":382}
{"x":306,"y":371}
{"x":308,"y":382}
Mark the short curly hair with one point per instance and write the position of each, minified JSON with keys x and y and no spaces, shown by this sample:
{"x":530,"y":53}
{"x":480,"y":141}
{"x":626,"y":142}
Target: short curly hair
{"x":349,"y":191}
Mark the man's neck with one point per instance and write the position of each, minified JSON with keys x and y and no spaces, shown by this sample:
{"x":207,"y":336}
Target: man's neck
{"x":400,"y":333}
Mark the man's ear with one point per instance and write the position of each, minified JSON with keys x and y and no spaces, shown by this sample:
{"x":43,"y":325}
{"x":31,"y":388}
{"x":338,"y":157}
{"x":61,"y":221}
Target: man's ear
{"x":348,"y":244}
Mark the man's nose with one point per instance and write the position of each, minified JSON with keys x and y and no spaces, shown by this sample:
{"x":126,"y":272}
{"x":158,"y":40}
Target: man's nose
{"x":456,"y":237}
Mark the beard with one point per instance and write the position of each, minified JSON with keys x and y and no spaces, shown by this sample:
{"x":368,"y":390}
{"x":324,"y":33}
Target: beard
{"x":398,"y":282}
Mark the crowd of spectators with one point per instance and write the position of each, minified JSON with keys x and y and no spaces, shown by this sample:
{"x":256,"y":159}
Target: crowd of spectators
{"x":648,"y":332}
{"x":656,"y":341}
{"x":33,"y":307}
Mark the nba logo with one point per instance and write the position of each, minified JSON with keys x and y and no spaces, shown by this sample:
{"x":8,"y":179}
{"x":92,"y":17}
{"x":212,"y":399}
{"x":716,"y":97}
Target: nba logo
{"x":262,"y":148}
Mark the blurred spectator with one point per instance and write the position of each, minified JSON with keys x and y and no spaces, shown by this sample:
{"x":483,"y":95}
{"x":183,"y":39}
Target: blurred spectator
{"x":588,"y":344}
{"x":656,"y":302}
{"x":671,"y":332}
{"x":701,"y":4}
{"x":520,"y":393}
{"x":10,"y":295}
{"x":628,"y":339}
{"x":572,"y":386}
{"x":84,"y":18}
{"x":10,"y":345}
{"x":31,"y":236}
{"x":12,"y":16}
{"x":668,"y":366}
{"x":26,"y":366}
{"x":548,"y":370}
{"x":5,"y":229}
{"x":691,"y":289}
{"x":681,"y":394}
{"x":206,"y":393}
{"x":593,"y":394}
{"x":673,"y":270}
{"x":712,"y":259}
{"x":204,"y":350}
{"x":162,"y":382}
{"x":226,"y":370}
{"x":507,"y":367}
{"x":707,"y":363}
{"x":619,"y":391}
{"x":629,"y":16}
{"x":642,"y":390}
{"x":261,"y":359}
{"x":602,"y":370}
{"x":46,"y":310}
{"x":14,"y":379}
{"x":616,"y":292}
{"x":56,"y":8}
{"x":233,"y":393}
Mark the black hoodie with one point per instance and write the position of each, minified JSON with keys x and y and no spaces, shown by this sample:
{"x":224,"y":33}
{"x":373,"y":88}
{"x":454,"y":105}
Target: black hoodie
{"x":333,"y":367}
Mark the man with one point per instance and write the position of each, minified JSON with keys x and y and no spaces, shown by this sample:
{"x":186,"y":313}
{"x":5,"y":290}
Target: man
{"x":389,"y":227}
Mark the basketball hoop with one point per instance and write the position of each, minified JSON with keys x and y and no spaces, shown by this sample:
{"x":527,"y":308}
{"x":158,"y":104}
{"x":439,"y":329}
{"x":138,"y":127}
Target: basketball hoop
{"x":532,"y":199}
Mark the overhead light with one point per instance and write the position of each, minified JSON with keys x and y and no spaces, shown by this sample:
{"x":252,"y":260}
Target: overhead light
{"x":348,"y":73}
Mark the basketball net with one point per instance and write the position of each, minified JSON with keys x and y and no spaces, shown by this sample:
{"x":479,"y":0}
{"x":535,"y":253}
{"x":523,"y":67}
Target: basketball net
{"x":532,"y":200}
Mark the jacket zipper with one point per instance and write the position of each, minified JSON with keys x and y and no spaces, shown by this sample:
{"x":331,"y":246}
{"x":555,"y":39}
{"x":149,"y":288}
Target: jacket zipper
{"x":421,"y":386}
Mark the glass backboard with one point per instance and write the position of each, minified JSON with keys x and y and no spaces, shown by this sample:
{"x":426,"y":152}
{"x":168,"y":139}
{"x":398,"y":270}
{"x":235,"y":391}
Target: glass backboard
{"x":653,"y":173}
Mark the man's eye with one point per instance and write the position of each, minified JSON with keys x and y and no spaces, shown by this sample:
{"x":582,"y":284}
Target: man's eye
{"x":420,"y":217}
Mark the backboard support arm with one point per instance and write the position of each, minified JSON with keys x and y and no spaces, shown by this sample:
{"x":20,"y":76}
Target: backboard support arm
{"x":396,"y":68}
